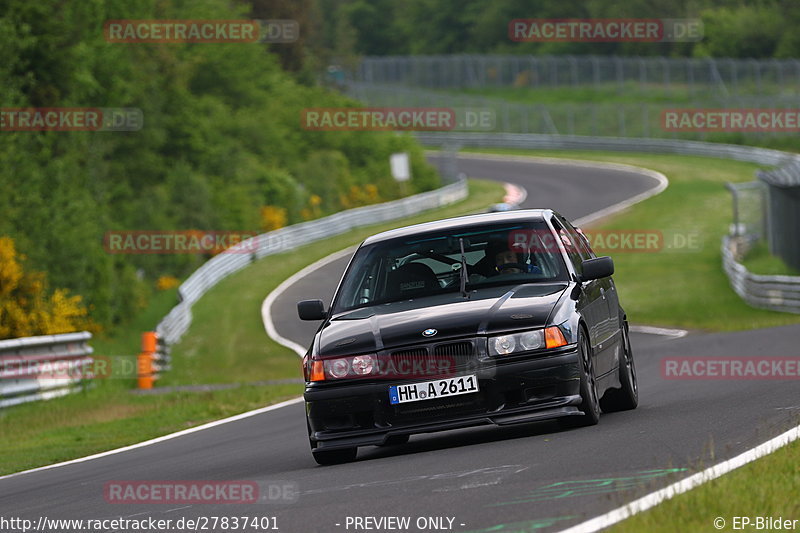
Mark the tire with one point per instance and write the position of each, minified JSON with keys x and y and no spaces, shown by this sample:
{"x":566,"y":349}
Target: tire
{"x":589,"y":402}
{"x":627,"y":397}
{"x":396,"y":440}
{"x":335,"y":457}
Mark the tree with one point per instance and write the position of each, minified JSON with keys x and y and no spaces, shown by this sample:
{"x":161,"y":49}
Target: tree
{"x":26,"y":309}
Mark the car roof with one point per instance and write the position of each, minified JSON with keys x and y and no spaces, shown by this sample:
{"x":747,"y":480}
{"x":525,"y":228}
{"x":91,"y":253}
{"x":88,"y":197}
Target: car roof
{"x":522,"y":215}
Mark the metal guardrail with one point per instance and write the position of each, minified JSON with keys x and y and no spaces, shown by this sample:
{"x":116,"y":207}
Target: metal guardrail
{"x":776,"y":293}
{"x":175,"y":324}
{"x":722,"y":76}
{"x":43,"y":367}
{"x":23,"y":360}
{"x":779,"y":293}
{"x":635,"y":117}
{"x":533,"y":141}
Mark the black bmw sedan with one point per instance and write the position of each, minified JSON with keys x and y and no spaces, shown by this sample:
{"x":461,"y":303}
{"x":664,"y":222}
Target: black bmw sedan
{"x":498,"y":318}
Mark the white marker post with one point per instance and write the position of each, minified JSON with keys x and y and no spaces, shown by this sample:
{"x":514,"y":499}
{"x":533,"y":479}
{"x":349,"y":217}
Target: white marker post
{"x":401,"y":169}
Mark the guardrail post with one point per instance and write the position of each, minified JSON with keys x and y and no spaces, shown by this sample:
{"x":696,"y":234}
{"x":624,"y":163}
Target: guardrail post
{"x":145,"y":360}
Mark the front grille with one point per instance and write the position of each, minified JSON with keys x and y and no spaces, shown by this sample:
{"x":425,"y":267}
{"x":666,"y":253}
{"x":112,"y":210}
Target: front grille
{"x":455,"y":349}
{"x":413,"y":352}
{"x":433,"y":360}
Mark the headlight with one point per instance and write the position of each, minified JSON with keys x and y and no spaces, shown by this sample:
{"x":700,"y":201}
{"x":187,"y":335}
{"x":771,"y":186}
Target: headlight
{"x":363,"y":365}
{"x":347,"y":367}
{"x":532,"y":340}
{"x":503,"y":345}
{"x":526,"y":341}
{"x":338,"y":368}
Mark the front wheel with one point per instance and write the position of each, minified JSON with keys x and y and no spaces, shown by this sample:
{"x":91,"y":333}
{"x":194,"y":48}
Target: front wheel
{"x":627,"y":397}
{"x":335,"y":457}
{"x":589,"y":403}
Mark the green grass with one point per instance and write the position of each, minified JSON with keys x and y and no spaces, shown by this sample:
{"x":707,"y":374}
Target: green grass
{"x":226,"y":341}
{"x":126,"y":338}
{"x":689,"y":289}
{"x":225,"y":344}
{"x":589,"y":94}
{"x":606,"y":110}
{"x":767,"y":487}
{"x":612,"y":93}
{"x":680,"y":288}
{"x":109,"y":416}
{"x":760,"y":261}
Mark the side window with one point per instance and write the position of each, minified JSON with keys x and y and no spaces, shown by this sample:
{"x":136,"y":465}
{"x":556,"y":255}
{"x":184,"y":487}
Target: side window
{"x":573,"y":252}
{"x":366,"y":286}
{"x":580,"y":240}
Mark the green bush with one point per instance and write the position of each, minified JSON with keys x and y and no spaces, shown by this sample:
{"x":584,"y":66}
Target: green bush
{"x":221,"y":139}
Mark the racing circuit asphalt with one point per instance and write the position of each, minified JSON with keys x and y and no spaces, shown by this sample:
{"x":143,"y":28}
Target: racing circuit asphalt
{"x":533,"y":477}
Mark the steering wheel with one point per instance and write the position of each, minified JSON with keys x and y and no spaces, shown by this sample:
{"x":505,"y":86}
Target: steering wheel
{"x":508,"y":266}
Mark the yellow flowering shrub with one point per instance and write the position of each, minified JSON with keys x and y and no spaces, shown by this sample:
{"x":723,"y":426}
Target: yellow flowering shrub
{"x":313,"y":210}
{"x":272,"y":217}
{"x":359,"y":196}
{"x":25,"y":307}
{"x":165,"y":283}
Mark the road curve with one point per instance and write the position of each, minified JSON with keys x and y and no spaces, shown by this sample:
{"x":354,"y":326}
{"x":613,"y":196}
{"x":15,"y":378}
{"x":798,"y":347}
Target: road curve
{"x":533,"y":477}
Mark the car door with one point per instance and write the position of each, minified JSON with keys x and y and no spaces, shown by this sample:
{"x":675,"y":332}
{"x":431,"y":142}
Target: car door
{"x":609,"y":333}
{"x":591,"y":302}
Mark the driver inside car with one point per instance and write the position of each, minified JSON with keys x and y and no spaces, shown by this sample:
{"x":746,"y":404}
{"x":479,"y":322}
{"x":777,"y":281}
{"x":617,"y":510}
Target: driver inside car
{"x":502,"y":260}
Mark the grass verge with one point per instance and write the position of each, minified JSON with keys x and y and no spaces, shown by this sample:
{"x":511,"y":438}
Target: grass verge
{"x":226,"y":343}
{"x":126,"y":338}
{"x":766,"y":487}
{"x":689,"y":289}
{"x":760,"y":261}
{"x":604,"y":110}
{"x":681,"y":286}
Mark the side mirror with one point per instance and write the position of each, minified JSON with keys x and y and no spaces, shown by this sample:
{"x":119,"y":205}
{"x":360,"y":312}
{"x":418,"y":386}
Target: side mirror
{"x":311,"y":310}
{"x":599,"y":267}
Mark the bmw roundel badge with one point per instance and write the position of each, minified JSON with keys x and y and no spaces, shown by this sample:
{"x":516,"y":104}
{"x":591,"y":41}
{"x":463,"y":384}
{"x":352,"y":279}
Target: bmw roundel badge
{"x":430,"y":332}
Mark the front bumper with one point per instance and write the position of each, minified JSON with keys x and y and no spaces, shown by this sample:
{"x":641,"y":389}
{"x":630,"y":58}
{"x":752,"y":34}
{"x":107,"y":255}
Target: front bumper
{"x":344,"y":415}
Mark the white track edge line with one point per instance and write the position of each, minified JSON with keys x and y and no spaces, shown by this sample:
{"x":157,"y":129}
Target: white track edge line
{"x":299,"y":350}
{"x":270,"y":328}
{"x":654,"y":498}
{"x":162,"y":438}
{"x":652,"y":330}
{"x":266,"y":305}
{"x":662,"y":180}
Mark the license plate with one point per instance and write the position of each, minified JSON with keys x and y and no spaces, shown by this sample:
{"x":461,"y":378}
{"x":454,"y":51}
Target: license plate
{"x":430,"y":390}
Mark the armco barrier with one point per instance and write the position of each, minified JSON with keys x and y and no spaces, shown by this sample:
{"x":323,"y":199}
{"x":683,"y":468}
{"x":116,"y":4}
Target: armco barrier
{"x":696,"y":76}
{"x":533,"y":141}
{"x":43,"y":367}
{"x":175,"y":324}
{"x":778,"y":293}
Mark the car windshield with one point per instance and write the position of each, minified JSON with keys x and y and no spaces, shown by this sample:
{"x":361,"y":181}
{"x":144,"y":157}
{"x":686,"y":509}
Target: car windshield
{"x":428,"y":264}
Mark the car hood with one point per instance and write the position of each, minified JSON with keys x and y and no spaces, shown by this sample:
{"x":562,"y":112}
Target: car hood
{"x":487,"y":311}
